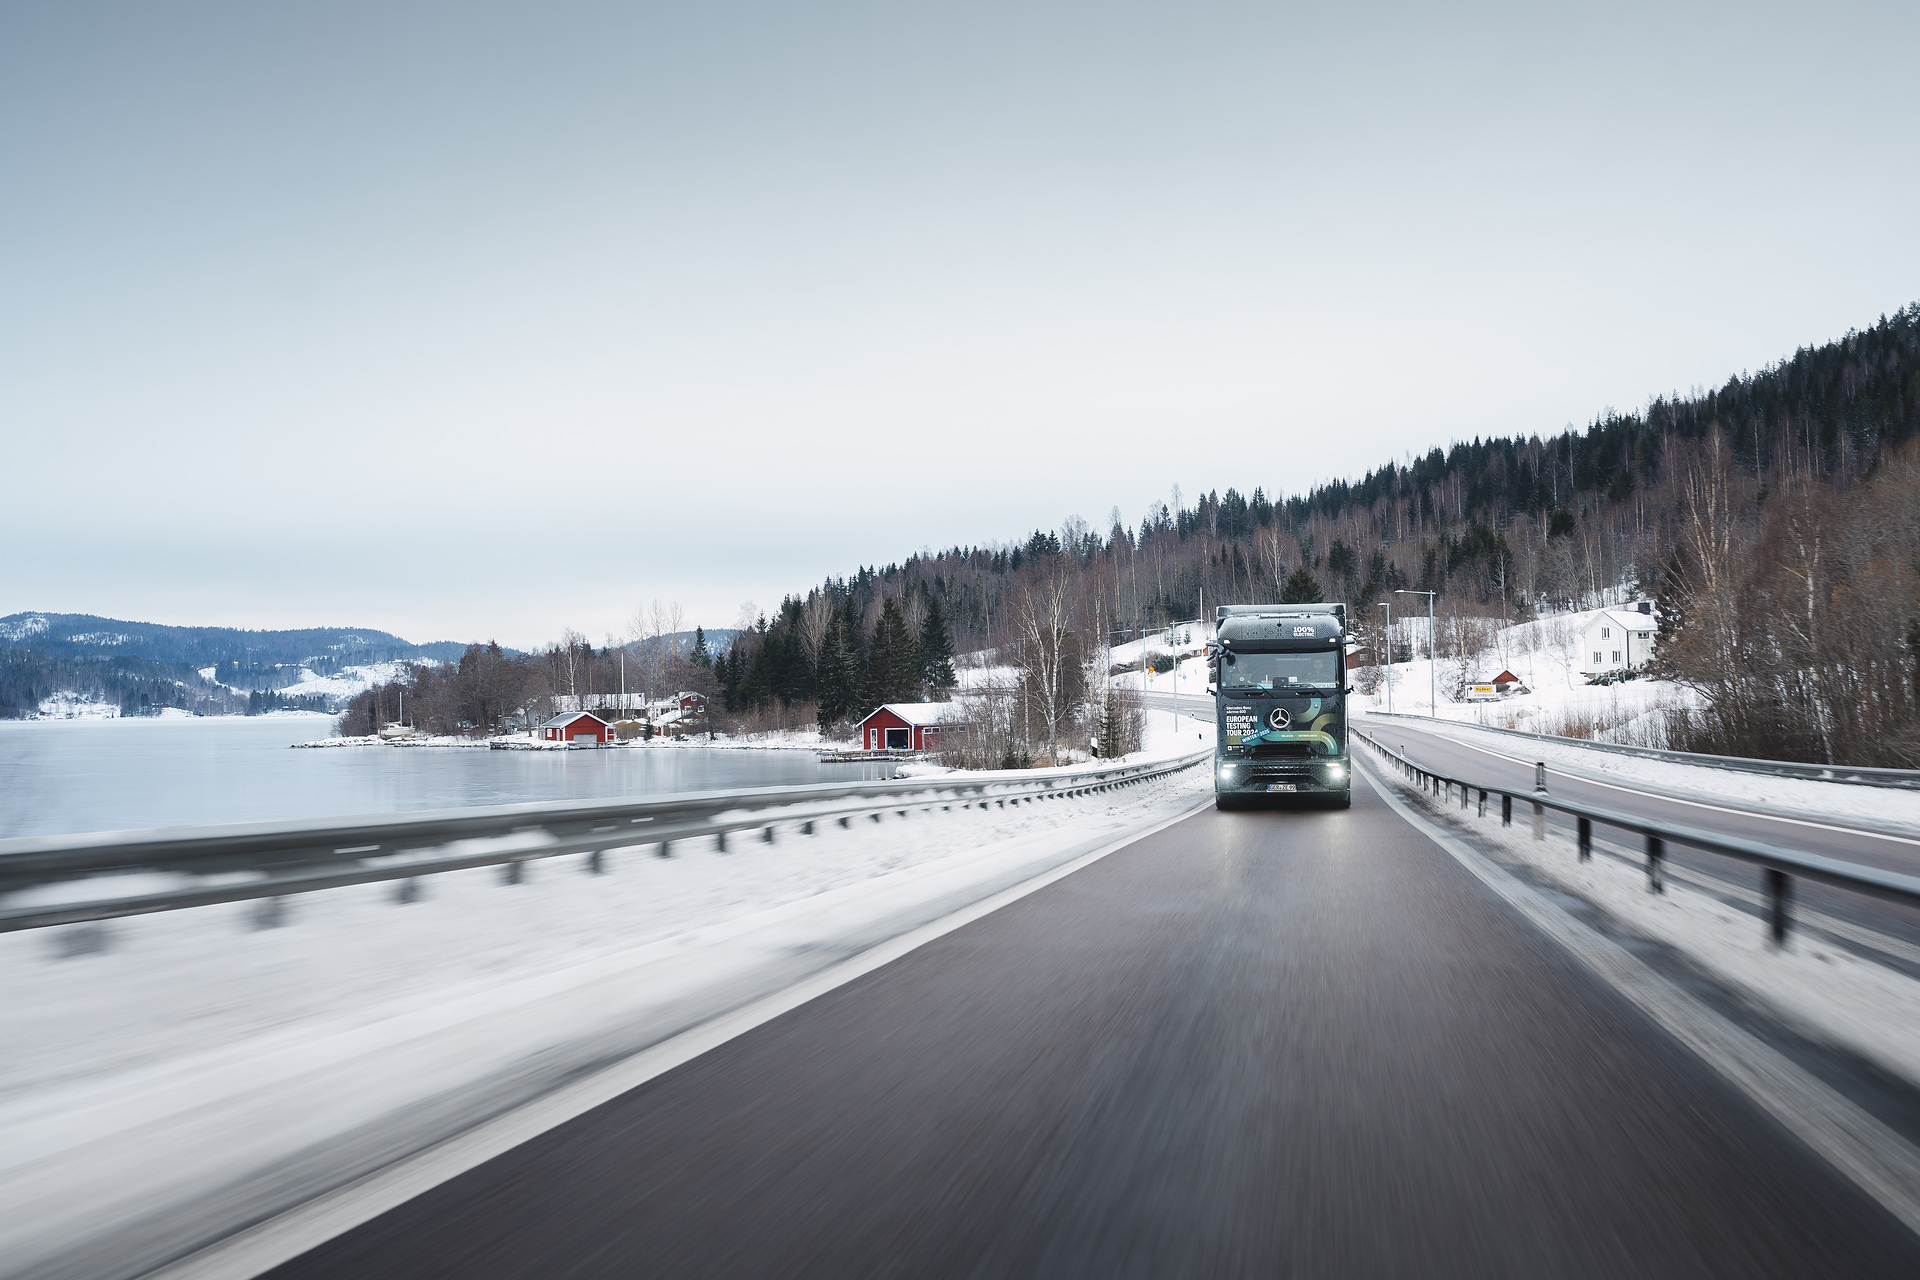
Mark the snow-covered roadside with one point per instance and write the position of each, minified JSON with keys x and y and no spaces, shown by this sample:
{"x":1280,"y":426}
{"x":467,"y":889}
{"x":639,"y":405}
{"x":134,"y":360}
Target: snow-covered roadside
{"x":198,"y":1073}
{"x":1881,"y":808}
{"x":1822,"y":990}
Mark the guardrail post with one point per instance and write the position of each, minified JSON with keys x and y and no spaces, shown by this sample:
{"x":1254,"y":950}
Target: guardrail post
{"x":665,"y":850}
{"x":1586,"y":839}
{"x":1656,"y":854}
{"x":1506,"y":809}
{"x":719,"y":842}
{"x":1539,"y":821}
{"x":806,"y":828}
{"x":1540,"y":775}
{"x":767,"y":835}
{"x":407,"y":890}
{"x":596,"y":862}
{"x":1778,"y":887}
{"x":268,"y":913}
{"x":512,"y":872}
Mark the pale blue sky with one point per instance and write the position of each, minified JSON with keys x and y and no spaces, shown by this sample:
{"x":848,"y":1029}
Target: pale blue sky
{"x":487,"y":320}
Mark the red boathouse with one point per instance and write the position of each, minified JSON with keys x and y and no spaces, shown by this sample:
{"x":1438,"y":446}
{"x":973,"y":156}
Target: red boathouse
{"x":904,"y":726}
{"x":578,"y":726}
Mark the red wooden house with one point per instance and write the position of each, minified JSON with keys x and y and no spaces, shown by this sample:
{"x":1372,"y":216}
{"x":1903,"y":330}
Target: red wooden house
{"x":577,"y":726}
{"x":904,"y":726}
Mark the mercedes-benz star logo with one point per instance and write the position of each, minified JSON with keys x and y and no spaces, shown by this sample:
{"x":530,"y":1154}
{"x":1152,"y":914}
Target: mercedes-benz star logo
{"x":1280,"y":718}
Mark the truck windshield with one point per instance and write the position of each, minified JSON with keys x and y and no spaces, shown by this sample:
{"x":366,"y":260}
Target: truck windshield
{"x":1279,"y":671}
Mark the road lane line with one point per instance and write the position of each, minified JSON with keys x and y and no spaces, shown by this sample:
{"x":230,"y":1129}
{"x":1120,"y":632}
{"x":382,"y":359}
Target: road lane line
{"x":1870,"y":1155}
{"x":286,"y":1236}
{"x":1761,"y":814}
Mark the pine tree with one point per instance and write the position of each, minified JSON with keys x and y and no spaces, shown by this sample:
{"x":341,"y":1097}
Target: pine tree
{"x":836,"y":692}
{"x":936,"y":649}
{"x":895,"y":665}
{"x":1301,"y":588}
{"x":700,"y":656}
{"x":855,"y":670}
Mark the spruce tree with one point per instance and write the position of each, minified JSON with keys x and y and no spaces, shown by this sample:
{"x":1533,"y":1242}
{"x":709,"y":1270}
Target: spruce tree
{"x":700,"y":656}
{"x":895,"y":665}
{"x":836,"y":695}
{"x":936,"y":649}
{"x":1301,"y":588}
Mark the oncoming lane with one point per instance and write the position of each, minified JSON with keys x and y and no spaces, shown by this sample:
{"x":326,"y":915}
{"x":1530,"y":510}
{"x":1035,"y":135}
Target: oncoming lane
{"x":1505,"y":765}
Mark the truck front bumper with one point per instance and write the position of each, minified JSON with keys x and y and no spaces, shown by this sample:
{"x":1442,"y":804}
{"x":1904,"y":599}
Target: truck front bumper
{"x":1263,"y":777}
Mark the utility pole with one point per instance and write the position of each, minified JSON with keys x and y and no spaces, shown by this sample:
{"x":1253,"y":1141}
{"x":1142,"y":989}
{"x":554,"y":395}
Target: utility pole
{"x":1433,"y":662}
{"x":1390,"y":655}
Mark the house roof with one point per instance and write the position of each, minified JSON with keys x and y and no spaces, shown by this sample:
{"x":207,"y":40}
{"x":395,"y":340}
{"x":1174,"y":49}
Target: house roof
{"x":1505,"y":677}
{"x":917,"y":713}
{"x":568,"y":717}
{"x":1628,"y":619}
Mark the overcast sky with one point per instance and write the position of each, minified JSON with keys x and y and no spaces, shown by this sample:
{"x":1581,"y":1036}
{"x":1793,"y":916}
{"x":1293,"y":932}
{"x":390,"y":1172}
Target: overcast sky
{"x":479,"y":320}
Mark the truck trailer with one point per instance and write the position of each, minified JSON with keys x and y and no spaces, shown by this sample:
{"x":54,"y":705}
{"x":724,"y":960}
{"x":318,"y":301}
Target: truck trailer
{"x":1279,"y":676}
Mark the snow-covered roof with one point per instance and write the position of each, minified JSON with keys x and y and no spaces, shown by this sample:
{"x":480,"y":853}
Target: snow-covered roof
{"x":566,"y":718}
{"x":1629,"y":619}
{"x":915,"y":712}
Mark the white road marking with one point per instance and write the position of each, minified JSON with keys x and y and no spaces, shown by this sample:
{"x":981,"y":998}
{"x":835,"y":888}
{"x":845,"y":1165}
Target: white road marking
{"x":1873,"y":1157}
{"x":1670,"y":799}
{"x":288,"y":1235}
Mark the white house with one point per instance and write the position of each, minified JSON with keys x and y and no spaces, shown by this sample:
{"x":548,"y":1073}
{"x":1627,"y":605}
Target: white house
{"x":1617,"y":640}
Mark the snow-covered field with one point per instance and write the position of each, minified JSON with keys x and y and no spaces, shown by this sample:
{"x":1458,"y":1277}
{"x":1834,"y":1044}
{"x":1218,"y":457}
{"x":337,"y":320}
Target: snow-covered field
{"x":198,"y":1072}
{"x":73,"y":706}
{"x":350,"y":682}
{"x":1544,"y":653}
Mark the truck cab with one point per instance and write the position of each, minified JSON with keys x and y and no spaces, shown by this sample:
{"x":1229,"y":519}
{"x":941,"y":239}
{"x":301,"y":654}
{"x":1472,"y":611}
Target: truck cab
{"x":1279,"y":675}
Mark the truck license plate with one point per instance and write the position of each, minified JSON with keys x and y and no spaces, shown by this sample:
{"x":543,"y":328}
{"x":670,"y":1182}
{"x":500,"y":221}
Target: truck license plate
{"x":1281,"y":786}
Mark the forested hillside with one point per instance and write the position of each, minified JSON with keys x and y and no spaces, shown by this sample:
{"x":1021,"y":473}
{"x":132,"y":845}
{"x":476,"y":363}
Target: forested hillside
{"x":84,"y":635}
{"x":1775,"y":517}
{"x":143,"y":667}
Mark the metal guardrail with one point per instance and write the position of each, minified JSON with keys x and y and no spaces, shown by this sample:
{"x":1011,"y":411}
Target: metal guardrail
{"x":1905,"y":779}
{"x":271,"y":861}
{"x":1777,"y":865}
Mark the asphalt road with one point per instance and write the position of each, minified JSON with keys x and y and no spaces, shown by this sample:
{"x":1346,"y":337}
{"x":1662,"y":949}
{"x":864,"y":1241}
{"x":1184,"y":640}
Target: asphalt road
{"x":1303,"y":1044}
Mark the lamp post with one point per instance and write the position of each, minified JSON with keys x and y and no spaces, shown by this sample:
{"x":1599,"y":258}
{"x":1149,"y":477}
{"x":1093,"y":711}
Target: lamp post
{"x":1388,"y":606}
{"x":1433,"y":677}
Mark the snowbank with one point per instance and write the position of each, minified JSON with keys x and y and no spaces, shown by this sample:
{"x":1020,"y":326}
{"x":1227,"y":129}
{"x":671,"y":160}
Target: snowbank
{"x":198,"y":1073}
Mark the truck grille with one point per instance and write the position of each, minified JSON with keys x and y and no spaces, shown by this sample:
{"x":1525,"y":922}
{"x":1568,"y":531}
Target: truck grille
{"x":1280,"y":770}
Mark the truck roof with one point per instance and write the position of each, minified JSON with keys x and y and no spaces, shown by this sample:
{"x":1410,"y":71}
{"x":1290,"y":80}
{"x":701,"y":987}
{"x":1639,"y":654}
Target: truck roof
{"x":1299,"y":626}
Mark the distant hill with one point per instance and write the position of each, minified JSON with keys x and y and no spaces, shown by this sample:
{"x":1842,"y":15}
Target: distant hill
{"x":78,"y":635}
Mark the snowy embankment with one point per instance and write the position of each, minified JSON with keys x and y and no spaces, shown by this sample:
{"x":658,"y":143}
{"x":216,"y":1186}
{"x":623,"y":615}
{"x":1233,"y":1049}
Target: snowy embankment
{"x":1824,"y":991}
{"x":199,"y":1073}
{"x":1553,"y":697}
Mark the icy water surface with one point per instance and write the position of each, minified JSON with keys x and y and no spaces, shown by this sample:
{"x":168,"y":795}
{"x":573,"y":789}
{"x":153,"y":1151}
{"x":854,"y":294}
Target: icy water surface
{"x":119,"y":775}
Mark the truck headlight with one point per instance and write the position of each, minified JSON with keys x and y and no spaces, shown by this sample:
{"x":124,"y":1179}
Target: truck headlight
{"x":1336,"y":770}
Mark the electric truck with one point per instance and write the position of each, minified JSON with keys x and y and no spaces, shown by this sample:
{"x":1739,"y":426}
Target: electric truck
{"x":1279,"y":675}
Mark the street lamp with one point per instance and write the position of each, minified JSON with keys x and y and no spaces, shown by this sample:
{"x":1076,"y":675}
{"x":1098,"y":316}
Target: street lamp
{"x":1433,"y":677}
{"x":1388,"y":606}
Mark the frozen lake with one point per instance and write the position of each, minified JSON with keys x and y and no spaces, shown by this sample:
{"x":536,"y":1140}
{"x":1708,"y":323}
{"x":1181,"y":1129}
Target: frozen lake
{"x":59,"y":776}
